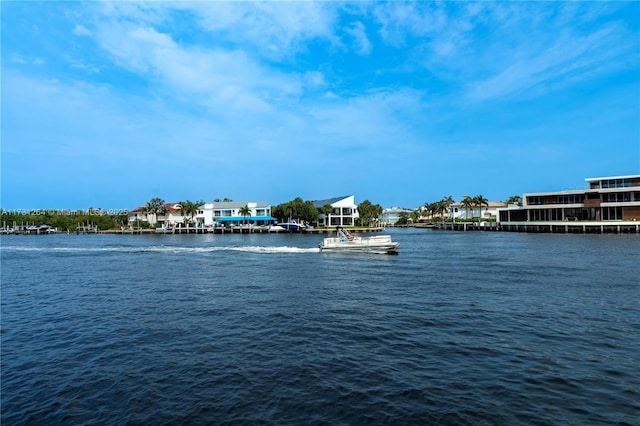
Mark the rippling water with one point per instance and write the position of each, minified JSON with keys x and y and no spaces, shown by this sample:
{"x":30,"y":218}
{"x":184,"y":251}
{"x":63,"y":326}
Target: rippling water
{"x":459,"y":328}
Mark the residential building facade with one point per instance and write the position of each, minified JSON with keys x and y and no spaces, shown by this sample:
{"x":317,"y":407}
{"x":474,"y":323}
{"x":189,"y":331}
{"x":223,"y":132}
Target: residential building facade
{"x":614,"y":198}
{"x":345,"y":211}
{"x":391,"y":215}
{"x":172,"y":216}
{"x":486,"y":211}
{"x":227,"y":213}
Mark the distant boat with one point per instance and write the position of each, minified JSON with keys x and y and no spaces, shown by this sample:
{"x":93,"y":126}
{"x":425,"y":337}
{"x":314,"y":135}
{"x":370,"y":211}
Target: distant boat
{"x":277,"y":228}
{"x":292,"y":226}
{"x":344,"y":241}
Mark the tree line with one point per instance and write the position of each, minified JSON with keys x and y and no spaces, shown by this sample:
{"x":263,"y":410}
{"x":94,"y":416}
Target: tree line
{"x":306,"y":211}
{"x":297,"y":208}
{"x":64,"y":220}
{"x":438,"y":210}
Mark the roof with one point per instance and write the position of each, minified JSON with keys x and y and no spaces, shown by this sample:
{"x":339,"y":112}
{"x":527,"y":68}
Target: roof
{"x":612,"y":177}
{"x":241,"y":218}
{"x":171,"y":207}
{"x":238,"y":204}
{"x":489,"y":204}
{"x":319,"y":203}
{"x":395,"y":210}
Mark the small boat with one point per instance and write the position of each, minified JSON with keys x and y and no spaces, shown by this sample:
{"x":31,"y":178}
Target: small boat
{"x":292,"y":226}
{"x":344,"y":241}
{"x":276,"y":228}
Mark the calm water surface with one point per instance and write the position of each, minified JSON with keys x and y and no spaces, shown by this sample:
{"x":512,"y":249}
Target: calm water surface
{"x":460,"y":328}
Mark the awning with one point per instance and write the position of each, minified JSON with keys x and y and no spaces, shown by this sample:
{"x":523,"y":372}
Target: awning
{"x":241,"y":218}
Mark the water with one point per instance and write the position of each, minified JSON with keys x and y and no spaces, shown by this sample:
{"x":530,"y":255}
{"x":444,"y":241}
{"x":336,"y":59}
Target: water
{"x":459,"y":328}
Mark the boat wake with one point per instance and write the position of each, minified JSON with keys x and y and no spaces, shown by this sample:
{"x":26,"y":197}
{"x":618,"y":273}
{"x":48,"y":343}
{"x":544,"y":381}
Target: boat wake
{"x":162,"y":249}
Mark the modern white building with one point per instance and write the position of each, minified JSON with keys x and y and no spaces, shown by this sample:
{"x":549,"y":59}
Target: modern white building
{"x":345,"y":211}
{"x":227,"y":213}
{"x":613,"y":198}
{"x":487,"y":211}
{"x":391,"y":215}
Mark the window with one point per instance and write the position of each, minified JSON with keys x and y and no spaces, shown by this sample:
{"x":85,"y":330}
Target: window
{"x":535,"y":201}
{"x":617,"y":197}
{"x":571,"y":199}
{"x":616,"y":183}
{"x":612,"y":213}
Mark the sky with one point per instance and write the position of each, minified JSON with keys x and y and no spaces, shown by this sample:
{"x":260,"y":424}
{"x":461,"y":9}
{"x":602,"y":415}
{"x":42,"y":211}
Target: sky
{"x":110,"y":104}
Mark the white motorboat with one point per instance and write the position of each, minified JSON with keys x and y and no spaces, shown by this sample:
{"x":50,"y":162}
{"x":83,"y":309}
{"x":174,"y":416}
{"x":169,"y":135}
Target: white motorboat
{"x":292,"y":226}
{"x":277,"y":228}
{"x":344,"y":241}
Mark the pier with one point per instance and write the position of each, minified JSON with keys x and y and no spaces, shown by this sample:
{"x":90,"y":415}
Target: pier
{"x":556,"y":227}
{"x":231,"y":230}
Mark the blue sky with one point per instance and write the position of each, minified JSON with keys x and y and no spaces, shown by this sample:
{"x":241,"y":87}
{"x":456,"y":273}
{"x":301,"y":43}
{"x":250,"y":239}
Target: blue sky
{"x":110,"y":104}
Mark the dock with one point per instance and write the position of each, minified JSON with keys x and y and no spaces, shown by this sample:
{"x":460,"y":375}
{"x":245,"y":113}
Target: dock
{"x":556,"y":227}
{"x":231,"y":230}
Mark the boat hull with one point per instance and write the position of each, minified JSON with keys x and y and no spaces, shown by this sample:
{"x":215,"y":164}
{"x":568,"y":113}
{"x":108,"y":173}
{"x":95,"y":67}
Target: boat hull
{"x":292,"y":227}
{"x":375,"y":244}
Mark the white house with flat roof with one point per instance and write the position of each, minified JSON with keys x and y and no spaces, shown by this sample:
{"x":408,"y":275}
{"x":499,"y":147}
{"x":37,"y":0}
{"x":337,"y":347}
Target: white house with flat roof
{"x":227,"y":213}
{"x":486,"y":211}
{"x":344,"y":213}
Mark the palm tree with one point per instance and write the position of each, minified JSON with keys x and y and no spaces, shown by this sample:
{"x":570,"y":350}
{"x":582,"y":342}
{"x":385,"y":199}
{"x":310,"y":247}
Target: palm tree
{"x":430,"y":209}
{"x":467,"y":203}
{"x":377,"y":212}
{"x":155,"y":206}
{"x":244,"y":211}
{"x":441,"y":207}
{"x":190,"y":209}
{"x":326,"y":210}
{"x":447,"y":202}
{"x":514,"y":199}
{"x":480,"y":201}
{"x":403,"y":218}
{"x":415,"y":216}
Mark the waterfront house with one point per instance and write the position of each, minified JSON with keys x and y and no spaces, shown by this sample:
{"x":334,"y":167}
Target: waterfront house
{"x":344,"y":213}
{"x":172,"y":216}
{"x":614,"y":198}
{"x":227,"y":213}
{"x":457,"y":211}
{"x":391,"y":215}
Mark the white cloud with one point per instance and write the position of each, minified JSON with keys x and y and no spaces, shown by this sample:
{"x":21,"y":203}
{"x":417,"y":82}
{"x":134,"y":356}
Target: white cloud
{"x":361,"y":41}
{"x":315,"y":79}
{"x":81,"y":30}
{"x":25,"y":60}
{"x":555,"y":62}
